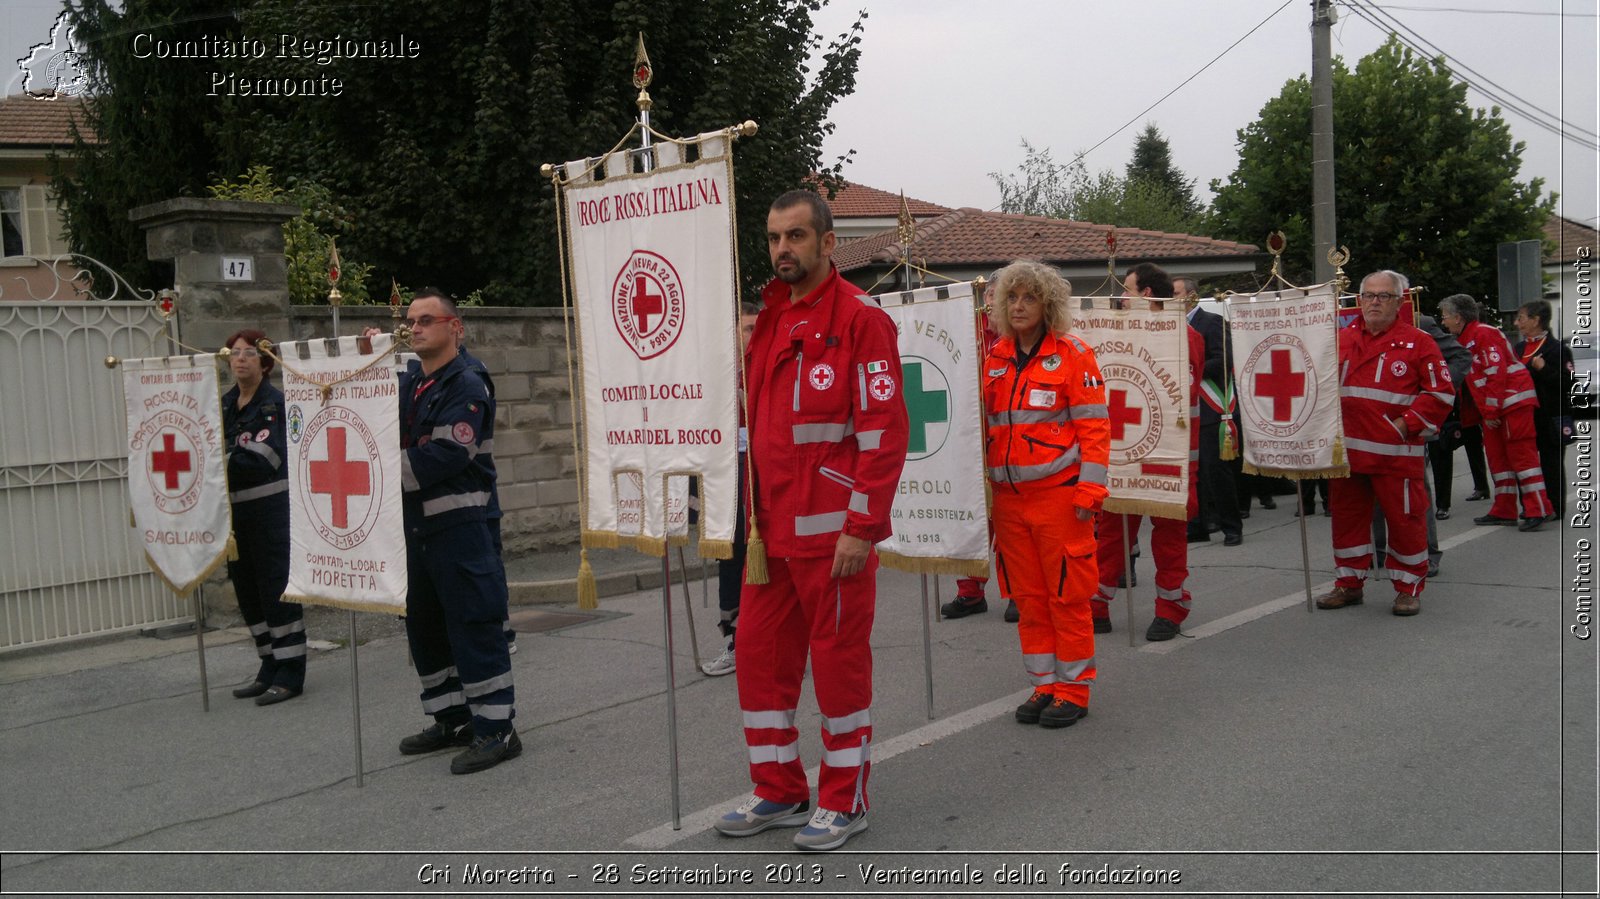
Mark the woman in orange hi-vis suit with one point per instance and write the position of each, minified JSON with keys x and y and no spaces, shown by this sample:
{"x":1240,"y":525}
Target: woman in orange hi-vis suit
{"x":1047,"y":448}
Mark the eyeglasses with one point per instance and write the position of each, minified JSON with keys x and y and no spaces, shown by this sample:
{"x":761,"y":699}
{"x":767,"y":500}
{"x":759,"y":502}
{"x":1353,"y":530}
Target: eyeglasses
{"x":248,"y":353}
{"x":1379,"y":297}
{"x":428,"y":321}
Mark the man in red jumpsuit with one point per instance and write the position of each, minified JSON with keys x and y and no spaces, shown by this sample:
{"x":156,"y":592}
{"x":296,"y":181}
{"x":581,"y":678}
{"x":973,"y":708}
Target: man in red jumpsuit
{"x":1504,"y":398}
{"x":828,"y":435}
{"x":1394,"y":392}
{"x":1169,"y":539}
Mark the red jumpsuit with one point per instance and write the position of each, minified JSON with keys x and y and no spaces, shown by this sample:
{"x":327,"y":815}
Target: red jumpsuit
{"x":1169,"y":537}
{"x":1396,"y":374}
{"x":1046,"y":448}
{"x":1502,"y":391}
{"x":828,"y":437}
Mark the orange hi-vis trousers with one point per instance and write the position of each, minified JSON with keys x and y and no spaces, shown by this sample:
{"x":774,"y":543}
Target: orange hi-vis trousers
{"x":1044,"y":557}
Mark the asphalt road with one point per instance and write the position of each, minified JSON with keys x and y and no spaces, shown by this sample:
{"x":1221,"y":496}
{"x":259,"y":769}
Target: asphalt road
{"x":1269,"y":751}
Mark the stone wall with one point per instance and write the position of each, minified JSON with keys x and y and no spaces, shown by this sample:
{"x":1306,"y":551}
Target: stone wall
{"x":525,"y":352}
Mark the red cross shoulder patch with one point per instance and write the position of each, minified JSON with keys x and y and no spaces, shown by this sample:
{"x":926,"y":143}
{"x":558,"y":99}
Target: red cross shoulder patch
{"x":462,"y":433}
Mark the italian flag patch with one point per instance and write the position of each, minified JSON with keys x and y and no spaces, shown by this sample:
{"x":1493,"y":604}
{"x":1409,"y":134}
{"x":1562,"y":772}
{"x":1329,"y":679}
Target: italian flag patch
{"x":876,"y":367}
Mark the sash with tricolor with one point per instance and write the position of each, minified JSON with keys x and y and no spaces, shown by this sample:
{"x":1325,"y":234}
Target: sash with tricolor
{"x":1144,"y":360}
{"x":939,"y":518}
{"x":1222,"y":401}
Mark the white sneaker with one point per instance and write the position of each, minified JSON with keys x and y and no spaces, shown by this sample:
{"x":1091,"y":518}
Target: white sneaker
{"x":755,"y":815}
{"x":720,"y":665}
{"x":829,"y":830}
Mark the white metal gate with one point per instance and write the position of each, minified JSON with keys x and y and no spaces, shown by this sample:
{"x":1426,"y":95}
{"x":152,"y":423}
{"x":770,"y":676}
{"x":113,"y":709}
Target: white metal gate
{"x":70,"y":565}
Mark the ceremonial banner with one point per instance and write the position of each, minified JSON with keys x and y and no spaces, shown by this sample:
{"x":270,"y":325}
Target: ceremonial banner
{"x":177,"y":474}
{"x":1144,"y":358}
{"x":940,"y":518}
{"x":1286,"y":367}
{"x":347,"y":544}
{"x":654,"y":291}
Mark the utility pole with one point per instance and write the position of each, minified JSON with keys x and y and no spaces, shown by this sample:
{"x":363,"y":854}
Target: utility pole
{"x":1324,"y":224}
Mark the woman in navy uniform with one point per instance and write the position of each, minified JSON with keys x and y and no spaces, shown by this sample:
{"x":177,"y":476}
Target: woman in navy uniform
{"x":258,"y":487}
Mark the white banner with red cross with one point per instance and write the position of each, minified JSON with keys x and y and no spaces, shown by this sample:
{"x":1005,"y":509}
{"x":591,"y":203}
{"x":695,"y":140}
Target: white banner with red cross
{"x":653,"y":281}
{"x":347,"y":544}
{"x":1144,"y":359}
{"x":939,"y":516}
{"x":177,"y":467}
{"x":1286,"y":364}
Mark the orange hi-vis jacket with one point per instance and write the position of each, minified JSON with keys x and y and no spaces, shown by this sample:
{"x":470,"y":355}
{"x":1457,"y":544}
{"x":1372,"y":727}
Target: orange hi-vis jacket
{"x":1397,"y":374}
{"x":1499,"y":380}
{"x":1046,"y":419}
{"x":828,"y":426}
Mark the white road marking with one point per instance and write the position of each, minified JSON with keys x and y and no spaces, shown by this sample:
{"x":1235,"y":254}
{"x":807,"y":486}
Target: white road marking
{"x":697,"y":822}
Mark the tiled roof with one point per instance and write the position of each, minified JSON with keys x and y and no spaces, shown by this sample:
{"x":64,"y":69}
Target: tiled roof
{"x":26,"y":122}
{"x":970,"y":236}
{"x":1568,"y":236}
{"x":860,"y":201}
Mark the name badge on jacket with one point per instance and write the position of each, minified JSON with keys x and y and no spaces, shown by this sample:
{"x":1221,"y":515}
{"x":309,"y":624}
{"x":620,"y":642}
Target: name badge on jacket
{"x":1042,"y":399}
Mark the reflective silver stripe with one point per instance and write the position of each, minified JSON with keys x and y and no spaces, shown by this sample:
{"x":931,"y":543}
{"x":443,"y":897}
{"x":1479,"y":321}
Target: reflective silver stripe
{"x":266,"y":452}
{"x":838,"y":477}
{"x":455,"y":501}
{"x":494,"y":712}
{"x":484,"y":687}
{"x":250,"y":493}
{"x":1441,"y":397}
{"x":1373,"y":393}
{"x":1350,"y":572}
{"x":1041,"y":667}
{"x":440,"y":703}
{"x":1416,"y":558}
{"x":486,"y":446}
{"x":1491,"y":401}
{"x":429,"y":681}
{"x":264,"y":650}
{"x":1384,"y":449}
{"x":867,"y":441}
{"x":259,"y":628}
{"x":1089,"y":410}
{"x":289,"y":652}
{"x":284,"y":630}
{"x":1072,"y":671}
{"x":447,"y":432}
{"x":858,"y":503}
{"x":1030,"y":417}
{"x":811,"y":525}
{"x":1092,"y":473}
{"x":443,"y":432}
{"x":1353,"y":552}
{"x":1516,"y":367}
{"x":780,"y":719}
{"x":853,"y":721}
{"x":1530,"y":473}
{"x":1172,"y":595}
{"x":1518,"y":397}
{"x":1106,"y":593}
{"x":824,"y":432}
{"x":853,"y":757}
{"x":1014,"y":473}
{"x":1492,"y":370}
{"x":783,"y":754}
{"x":408,"y":481}
{"x":1404,"y":577}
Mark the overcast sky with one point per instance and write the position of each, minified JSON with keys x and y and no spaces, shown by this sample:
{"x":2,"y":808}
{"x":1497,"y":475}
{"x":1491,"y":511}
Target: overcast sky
{"x":947,"y":89}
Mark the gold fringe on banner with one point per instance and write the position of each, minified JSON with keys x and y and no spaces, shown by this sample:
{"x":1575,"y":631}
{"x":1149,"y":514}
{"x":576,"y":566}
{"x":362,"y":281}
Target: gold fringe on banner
{"x":600,"y":540}
{"x":715,"y":549}
{"x":650,"y":546}
{"x":588,"y":591}
{"x":926,"y":565}
{"x":228,"y":553}
{"x":1146,"y":507}
{"x":755,"y":556}
{"x":351,"y":604}
{"x":1337,"y":471}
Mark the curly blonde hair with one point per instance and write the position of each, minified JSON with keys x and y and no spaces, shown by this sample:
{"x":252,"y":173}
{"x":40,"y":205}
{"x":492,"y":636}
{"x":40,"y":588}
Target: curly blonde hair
{"x":1042,"y":281}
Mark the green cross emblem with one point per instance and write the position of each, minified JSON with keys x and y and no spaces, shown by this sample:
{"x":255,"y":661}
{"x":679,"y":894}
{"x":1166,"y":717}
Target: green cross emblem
{"x":924,"y":407}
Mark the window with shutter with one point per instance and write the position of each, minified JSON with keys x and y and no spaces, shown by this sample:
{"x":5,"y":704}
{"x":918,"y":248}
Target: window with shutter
{"x":12,"y":242}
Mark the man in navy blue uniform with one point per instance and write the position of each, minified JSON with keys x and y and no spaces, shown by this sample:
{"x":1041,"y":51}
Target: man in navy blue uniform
{"x":456,"y":599}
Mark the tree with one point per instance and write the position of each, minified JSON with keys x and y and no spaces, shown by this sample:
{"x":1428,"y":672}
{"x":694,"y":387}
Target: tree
{"x":436,"y":154}
{"x":307,"y":238}
{"x":1151,"y":166}
{"x":1043,"y":187}
{"x":1425,"y":184}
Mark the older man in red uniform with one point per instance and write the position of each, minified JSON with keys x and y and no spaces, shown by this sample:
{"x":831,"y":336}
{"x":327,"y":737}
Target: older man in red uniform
{"x":828,"y":434}
{"x":1394,"y":392}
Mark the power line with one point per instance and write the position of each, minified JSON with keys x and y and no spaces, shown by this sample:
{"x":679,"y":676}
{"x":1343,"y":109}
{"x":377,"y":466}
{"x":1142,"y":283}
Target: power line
{"x":1497,"y":12}
{"x":1505,"y":98}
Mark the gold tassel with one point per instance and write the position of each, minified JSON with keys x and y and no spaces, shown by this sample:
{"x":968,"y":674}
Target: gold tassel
{"x":755,"y":556}
{"x":588,"y":592}
{"x":233,"y":549}
{"x":1229,"y":450}
{"x":1338,"y":451}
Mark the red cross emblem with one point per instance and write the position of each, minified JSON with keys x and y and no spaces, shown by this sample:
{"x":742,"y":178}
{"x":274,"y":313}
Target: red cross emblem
{"x":1281,"y":384}
{"x":348,"y":474}
{"x":647,"y":304}
{"x":340,"y":478}
{"x":169,"y":461}
{"x":1132,"y":408}
{"x":1280,"y":380}
{"x":1123,"y":414}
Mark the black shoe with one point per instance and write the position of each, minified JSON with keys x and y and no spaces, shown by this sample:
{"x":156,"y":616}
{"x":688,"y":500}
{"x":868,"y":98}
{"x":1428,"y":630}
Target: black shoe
{"x":1309,"y":510}
{"x":277,"y":695}
{"x":1102,"y":625}
{"x":1532,"y":524}
{"x":1161,"y":629}
{"x":1243,"y":514}
{"x":1433,"y":568}
{"x":1233,"y":540}
{"x":1028,"y":712}
{"x":1062,"y":713}
{"x":252,"y":689}
{"x":436,"y":737}
{"x":1494,"y":520}
{"x":1012,"y":615}
{"x":1268,"y":503}
{"x":962,"y":606}
{"x":486,"y":752}
{"x":1477,"y":496}
{"x":1199,"y":537}
{"x":1441,"y":514}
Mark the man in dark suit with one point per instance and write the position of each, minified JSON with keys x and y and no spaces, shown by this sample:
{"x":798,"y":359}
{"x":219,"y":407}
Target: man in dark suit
{"x":1218,"y":497}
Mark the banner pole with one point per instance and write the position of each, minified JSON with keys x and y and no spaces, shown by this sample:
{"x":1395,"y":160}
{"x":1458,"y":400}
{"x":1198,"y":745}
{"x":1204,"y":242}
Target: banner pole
{"x":1305,"y":552}
{"x":334,"y":298}
{"x":1127,"y":576}
{"x":688,"y":609}
{"x":927,"y":645}
{"x":169,"y":327}
{"x":705,"y":585}
{"x":672,"y":684}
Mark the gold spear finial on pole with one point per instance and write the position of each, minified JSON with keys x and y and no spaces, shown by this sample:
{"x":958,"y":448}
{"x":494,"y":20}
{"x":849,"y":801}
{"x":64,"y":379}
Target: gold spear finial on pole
{"x":334,"y":296}
{"x":642,"y":73}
